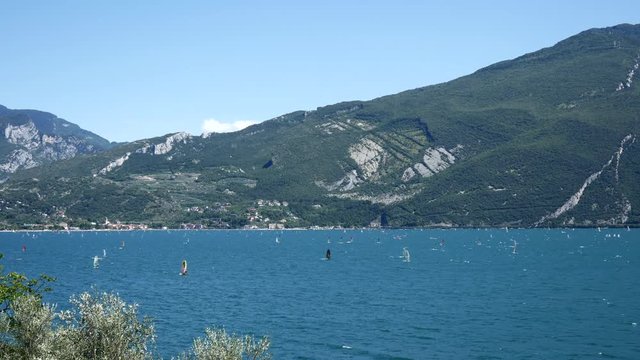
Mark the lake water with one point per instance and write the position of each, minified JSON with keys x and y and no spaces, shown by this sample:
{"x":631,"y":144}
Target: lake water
{"x":465,"y":294}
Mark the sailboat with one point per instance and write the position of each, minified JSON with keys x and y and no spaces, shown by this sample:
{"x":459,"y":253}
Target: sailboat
{"x":96,"y":262}
{"x":104,"y":253}
{"x":122,"y":245}
{"x":406,"y":256}
{"x":183,"y":268}
{"x":514,"y":246}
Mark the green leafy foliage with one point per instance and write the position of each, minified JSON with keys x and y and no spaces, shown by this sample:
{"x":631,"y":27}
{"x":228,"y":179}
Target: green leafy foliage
{"x":27,"y":333}
{"x":217,"y":344}
{"x":103,"y":326}
{"x":14,"y":285}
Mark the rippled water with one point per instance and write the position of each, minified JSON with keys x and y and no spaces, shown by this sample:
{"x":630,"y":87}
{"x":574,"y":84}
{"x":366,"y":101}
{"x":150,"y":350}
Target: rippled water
{"x":465,"y":294}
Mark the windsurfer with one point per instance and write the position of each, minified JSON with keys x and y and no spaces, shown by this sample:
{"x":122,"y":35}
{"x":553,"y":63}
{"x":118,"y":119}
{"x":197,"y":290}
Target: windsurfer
{"x":183,"y":269}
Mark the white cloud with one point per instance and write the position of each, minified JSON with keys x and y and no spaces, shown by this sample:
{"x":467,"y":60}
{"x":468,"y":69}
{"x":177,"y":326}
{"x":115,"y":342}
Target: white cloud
{"x":216,"y":126}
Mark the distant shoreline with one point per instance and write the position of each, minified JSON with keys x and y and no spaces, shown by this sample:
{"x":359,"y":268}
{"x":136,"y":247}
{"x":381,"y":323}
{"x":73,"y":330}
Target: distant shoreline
{"x":329,"y":229}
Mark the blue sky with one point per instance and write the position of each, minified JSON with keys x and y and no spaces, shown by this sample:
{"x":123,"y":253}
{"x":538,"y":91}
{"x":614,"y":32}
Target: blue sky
{"x":129,"y":70}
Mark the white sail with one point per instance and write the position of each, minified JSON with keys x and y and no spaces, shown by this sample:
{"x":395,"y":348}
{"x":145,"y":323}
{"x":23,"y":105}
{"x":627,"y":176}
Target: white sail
{"x":406,"y":256}
{"x":183,"y":268}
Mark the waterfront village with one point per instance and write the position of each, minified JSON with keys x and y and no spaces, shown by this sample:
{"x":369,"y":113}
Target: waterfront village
{"x":261,"y":214}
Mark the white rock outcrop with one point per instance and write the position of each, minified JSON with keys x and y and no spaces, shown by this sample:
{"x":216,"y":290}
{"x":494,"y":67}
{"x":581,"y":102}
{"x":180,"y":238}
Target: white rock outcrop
{"x":408,"y":174}
{"x":169,"y":143}
{"x":574,"y":200}
{"x":18,"y":159}
{"x":155,"y":149}
{"x":438,"y":159}
{"x":346,"y":183}
{"x":57,"y":148}
{"x":25,"y":135}
{"x":329,"y":127}
{"x":626,"y":210}
{"x":114,"y":164}
{"x":369,"y":156}
{"x":619,"y":153}
{"x":361,"y":124}
{"x":36,"y":148}
{"x":434,"y":161}
{"x":144,"y":149}
{"x":423,"y":170}
{"x":630,"y":75}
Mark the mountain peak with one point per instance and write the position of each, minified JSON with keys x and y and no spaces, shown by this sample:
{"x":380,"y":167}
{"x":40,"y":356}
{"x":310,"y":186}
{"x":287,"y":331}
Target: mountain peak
{"x":31,"y":138}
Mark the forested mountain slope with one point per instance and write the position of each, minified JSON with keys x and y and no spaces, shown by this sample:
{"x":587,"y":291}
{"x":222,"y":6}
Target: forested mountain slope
{"x":549,"y":138}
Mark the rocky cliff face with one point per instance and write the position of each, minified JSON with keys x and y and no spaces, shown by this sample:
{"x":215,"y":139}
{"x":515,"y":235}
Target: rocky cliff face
{"x":31,"y":138}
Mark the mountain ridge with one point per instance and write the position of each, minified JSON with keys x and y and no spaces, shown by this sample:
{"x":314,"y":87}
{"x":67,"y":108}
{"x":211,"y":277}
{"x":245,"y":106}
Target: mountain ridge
{"x":32,"y":138}
{"x":504,"y":146}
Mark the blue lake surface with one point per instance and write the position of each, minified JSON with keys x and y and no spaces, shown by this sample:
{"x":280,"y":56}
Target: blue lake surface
{"x":563,"y":294}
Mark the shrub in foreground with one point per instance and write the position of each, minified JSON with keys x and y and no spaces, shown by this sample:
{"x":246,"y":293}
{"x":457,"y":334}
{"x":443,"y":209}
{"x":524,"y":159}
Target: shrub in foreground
{"x":217,"y":344}
{"x":103,"y":326}
{"x":28,"y":333}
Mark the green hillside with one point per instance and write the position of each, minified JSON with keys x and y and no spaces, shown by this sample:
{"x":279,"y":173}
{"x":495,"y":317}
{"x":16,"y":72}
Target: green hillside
{"x":546,"y":139}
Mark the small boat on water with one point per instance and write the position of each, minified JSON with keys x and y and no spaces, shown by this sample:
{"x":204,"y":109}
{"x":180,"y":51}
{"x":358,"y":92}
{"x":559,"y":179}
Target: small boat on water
{"x":96,"y":262}
{"x":183,"y":268}
{"x":327,"y":255}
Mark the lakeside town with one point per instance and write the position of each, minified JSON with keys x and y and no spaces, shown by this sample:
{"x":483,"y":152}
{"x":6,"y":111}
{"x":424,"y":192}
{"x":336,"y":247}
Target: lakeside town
{"x":258,"y":216}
